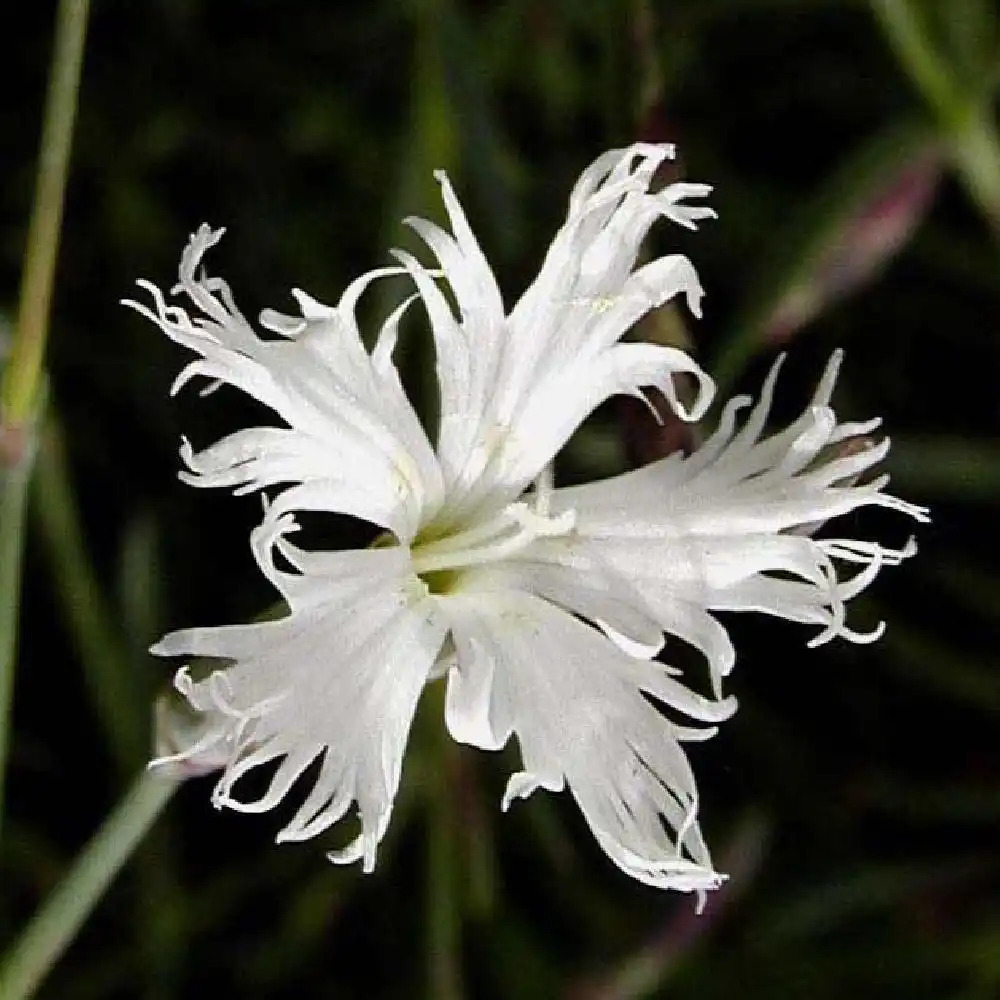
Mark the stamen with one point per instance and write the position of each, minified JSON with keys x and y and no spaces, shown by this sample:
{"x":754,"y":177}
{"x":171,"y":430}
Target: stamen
{"x":540,"y":525}
{"x":470,"y":537}
{"x":485,"y":544}
{"x":544,"y":485}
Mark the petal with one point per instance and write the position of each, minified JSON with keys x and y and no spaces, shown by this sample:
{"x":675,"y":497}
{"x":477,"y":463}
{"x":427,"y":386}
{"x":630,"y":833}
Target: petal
{"x":567,"y":396}
{"x":350,"y":426}
{"x":259,"y":457}
{"x":335,"y":682}
{"x":728,"y":528}
{"x":515,"y":387}
{"x":577,"y":706}
{"x":572,"y":579}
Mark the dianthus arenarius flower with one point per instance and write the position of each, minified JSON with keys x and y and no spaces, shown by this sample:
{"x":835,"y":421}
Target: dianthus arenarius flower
{"x":542,"y":607}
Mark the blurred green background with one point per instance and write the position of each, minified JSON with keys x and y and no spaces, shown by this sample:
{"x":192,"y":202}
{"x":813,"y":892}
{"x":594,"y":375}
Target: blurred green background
{"x":855,"y":798}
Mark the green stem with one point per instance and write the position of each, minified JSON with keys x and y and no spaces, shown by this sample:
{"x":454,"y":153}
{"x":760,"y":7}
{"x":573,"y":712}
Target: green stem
{"x":61,"y":915}
{"x":23,"y":372}
{"x":13,"y":491}
{"x":967,"y":125}
{"x":110,"y":677}
{"x":444,"y":930}
{"x":20,"y":395}
{"x":976,"y":153}
{"x":913,"y":49}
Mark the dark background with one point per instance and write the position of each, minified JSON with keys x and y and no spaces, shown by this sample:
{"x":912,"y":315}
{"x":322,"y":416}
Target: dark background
{"x":854,"y":798}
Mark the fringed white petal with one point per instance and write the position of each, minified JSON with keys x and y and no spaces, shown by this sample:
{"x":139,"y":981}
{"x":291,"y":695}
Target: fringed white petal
{"x":350,"y":425}
{"x":729,"y":528}
{"x":515,"y":387}
{"x":576,"y":705}
{"x":334,"y":685}
{"x":602,"y":594}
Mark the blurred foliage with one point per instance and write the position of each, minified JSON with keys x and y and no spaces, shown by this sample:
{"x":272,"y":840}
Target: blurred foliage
{"x":855,"y":797}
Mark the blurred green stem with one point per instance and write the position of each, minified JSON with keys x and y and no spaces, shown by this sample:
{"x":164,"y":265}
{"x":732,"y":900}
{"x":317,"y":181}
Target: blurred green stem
{"x":22,"y":374}
{"x":20,"y":392}
{"x":55,"y":925}
{"x":965,"y":120}
{"x":106,"y":667}
{"x":444,"y":931}
{"x":112,"y":679}
{"x":13,"y":490}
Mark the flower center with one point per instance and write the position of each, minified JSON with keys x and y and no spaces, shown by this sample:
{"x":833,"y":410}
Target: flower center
{"x":502,"y":536}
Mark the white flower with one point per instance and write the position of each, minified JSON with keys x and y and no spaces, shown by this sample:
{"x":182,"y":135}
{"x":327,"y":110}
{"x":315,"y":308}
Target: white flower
{"x":543,"y":607}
